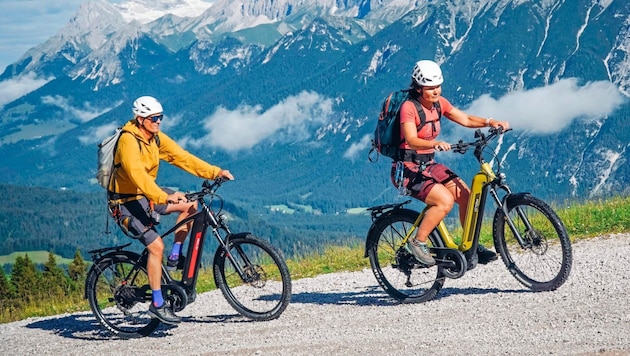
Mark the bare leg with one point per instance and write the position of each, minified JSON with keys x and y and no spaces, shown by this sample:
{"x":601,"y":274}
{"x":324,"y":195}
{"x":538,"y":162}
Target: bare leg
{"x":441,"y":202}
{"x":154,"y":263}
{"x":460,"y":192}
{"x":185,"y":210}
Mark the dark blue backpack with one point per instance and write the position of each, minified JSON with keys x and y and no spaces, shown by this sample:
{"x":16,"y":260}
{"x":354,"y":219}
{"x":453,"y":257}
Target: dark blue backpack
{"x":387,"y":140}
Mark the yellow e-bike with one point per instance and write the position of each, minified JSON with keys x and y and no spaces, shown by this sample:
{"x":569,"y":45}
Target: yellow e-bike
{"x":527,"y":233}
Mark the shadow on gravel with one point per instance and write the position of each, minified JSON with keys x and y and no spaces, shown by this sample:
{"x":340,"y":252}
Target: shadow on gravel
{"x":376,"y":296}
{"x":371,"y":296}
{"x":85,"y":326}
{"x":218,"y":319}
{"x":447,"y":292}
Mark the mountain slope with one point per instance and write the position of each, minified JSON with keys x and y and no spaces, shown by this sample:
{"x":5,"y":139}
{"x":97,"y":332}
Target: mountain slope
{"x":301,"y":89}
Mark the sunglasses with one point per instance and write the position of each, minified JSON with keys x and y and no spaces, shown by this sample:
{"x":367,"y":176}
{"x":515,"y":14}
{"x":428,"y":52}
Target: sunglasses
{"x":155,"y":118}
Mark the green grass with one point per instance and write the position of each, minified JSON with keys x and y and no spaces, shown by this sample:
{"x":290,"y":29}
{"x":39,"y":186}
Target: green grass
{"x":38,"y":257}
{"x":583,"y":221}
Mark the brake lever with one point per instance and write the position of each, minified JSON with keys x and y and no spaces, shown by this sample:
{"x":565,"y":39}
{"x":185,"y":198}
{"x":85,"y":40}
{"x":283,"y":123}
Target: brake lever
{"x":460,"y":147}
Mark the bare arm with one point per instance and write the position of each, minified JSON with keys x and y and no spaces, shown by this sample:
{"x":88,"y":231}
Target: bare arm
{"x":456,"y":115}
{"x":472,"y":121}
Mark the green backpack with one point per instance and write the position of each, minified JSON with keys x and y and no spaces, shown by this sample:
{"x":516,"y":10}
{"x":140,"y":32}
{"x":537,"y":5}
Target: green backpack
{"x":386,"y":140}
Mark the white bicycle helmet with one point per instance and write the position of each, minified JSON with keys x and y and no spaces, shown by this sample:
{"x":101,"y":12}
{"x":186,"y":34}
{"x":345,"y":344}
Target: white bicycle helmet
{"x":427,"y":73}
{"x":146,"y":106}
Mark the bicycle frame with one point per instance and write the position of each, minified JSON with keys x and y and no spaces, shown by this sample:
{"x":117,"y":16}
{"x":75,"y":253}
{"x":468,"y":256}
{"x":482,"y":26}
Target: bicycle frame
{"x":474,"y":212}
{"x":117,"y":285}
{"x":202,"y":219}
{"x":485,"y":181}
{"x":195,"y":248}
{"x":539,"y":256}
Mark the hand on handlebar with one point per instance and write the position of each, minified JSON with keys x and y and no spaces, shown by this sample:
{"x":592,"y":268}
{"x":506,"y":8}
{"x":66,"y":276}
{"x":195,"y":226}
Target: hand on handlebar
{"x":442,"y":146}
{"x":176,"y":198}
{"x":499,"y":124}
{"x":225,"y":174}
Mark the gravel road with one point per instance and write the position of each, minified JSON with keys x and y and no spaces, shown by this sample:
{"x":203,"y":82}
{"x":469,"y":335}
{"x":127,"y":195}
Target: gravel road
{"x":486,"y":312}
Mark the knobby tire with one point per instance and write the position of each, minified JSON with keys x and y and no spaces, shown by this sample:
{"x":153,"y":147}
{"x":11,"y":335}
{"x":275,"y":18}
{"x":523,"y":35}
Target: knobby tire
{"x":265,"y":291}
{"x":117,"y":288}
{"x":396,"y":271}
{"x":544,"y":263}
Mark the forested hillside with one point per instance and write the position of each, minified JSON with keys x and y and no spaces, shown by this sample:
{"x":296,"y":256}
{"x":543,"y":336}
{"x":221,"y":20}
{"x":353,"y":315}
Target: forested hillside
{"x":63,"y":221}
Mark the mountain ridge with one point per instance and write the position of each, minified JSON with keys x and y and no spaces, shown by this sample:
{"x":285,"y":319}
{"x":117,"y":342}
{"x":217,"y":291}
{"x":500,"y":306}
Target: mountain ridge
{"x":250,"y":83}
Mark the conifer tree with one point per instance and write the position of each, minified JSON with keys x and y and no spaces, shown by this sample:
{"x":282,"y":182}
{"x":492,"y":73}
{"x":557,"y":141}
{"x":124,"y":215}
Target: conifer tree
{"x":6,"y":289}
{"x":77,"y":269}
{"x":25,"y":279}
{"x":54,"y":280}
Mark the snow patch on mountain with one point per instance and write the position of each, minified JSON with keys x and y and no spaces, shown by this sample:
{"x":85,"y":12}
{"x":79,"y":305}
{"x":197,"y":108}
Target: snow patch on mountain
{"x":91,"y":27}
{"x":145,"y":11}
{"x":379,"y":60}
{"x":610,"y":162}
{"x":617,"y":61}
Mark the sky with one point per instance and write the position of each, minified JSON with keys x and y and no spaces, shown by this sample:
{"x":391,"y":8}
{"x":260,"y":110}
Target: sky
{"x":27,"y":23}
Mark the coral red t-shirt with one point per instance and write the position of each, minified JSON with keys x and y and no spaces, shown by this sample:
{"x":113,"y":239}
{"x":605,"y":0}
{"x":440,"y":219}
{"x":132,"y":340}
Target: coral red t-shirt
{"x":409,"y":113}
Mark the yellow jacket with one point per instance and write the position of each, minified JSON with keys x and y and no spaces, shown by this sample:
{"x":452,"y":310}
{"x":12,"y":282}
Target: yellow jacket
{"x":139,"y":161}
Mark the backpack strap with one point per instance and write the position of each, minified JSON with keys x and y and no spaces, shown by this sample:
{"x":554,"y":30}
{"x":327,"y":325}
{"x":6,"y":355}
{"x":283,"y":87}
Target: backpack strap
{"x":411,"y":155}
{"x":423,"y":116}
{"x":115,"y":167}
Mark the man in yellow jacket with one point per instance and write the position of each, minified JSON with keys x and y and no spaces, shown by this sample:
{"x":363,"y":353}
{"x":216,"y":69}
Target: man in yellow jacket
{"x":134,"y":190}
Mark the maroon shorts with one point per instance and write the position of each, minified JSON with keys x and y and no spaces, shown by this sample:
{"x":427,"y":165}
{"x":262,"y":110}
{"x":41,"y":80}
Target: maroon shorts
{"x":420,"y":182}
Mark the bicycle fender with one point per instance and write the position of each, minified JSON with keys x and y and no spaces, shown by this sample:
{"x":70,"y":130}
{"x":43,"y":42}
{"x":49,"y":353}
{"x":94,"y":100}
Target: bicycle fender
{"x":368,"y":240}
{"x":129,"y":254}
{"x":237,"y":235}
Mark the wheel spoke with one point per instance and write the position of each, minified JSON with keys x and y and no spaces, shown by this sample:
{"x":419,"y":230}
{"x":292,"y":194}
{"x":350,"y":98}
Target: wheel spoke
{"x":119,"y":296}
{"x":263,"y":290}
{"x":396,"y":270}
{"x":544,"y":263}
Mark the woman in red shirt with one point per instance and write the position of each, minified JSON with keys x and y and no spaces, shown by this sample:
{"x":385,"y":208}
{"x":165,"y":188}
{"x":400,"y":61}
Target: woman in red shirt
{"x":433,"y":183}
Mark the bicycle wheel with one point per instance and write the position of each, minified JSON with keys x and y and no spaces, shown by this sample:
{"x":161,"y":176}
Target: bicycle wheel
{"x":395,"y":269}
{"x":117,"y":288}
{"x":543,"y":262}
{"x":259,"y":285}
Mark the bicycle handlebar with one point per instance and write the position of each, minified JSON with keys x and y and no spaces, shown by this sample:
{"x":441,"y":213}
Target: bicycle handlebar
{"x":481,"y":141}
{"x":208,"y":188}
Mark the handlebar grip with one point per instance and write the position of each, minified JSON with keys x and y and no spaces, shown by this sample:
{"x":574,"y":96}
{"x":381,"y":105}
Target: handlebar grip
{"x":220,"y":180}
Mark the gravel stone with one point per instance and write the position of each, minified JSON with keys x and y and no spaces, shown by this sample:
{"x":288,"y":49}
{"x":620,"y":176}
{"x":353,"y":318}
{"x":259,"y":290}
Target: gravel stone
{"x":486,"y":312}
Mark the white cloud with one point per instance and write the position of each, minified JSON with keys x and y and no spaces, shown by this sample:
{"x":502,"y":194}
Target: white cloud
{"x":84,"y":114}
{"x":358,"y":148}
{"x":14,"y":88}
{"x":293,"y":119}
{"x":552,"y":108}
{"x":98,"y":134}
{"x":544,"y":110}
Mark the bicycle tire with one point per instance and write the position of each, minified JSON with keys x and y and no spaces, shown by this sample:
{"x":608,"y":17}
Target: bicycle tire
{"x":117,"y":289}
{"x":267,"y":291}
{"x":545,"y":264}
{"x":405,"y":283}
